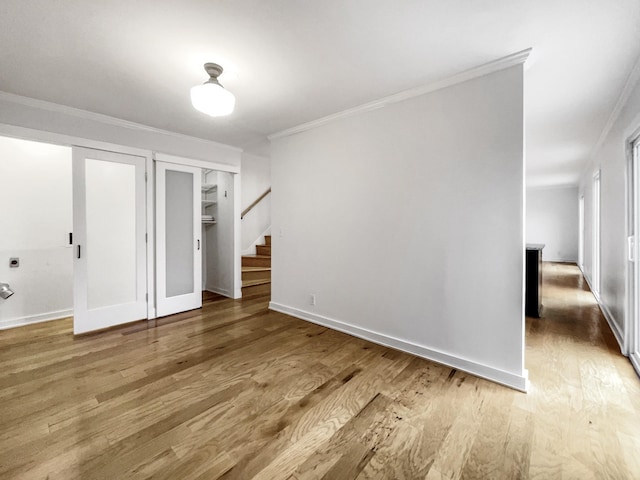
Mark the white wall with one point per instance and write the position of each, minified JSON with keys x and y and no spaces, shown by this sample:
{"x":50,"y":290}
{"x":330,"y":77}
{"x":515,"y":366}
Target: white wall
{"x":35,"y":191}
{"x":610,"y":159}
{"x":407,"y":224}
{"x":256,"y":179}
{"x":552,"y":219}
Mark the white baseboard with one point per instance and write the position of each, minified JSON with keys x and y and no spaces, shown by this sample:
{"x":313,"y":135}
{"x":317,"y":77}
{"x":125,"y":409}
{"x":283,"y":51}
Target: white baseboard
{"x":562,"y":260}
{"x":517,"y":382}
{"x":43,"y":317}
{"x":606,"y":313}
{"x":613,"y":326}
{"x":635,"y":361}
{"x":593,"y":292}
{"x":220,"y":291}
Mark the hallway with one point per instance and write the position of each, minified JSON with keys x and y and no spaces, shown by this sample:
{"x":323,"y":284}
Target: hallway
{"x":584,"y":393}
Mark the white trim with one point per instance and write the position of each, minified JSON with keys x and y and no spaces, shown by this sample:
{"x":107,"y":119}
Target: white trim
{"x":581,"y":239}
{"x":98,"y":117}
{"x":42,"y":317}
{"x":572,"y":261}
{"x":635,"y":361}
{"x":480,"y":71}
{"x":630,"y":84}
{"x":236,"y":280}
{"x":606,"y":313}
{"x":220,"y":291}
{"x":632,"y":216}
{"x":630,"y":228}
{"x":584,"y":275}
{"x":61,"y":139}
{"x":517,"y":382}
{"x":222,"y":167}
{"x":588,"y":280}
{"x":596,"y":234}
{"x":150,"y":182}
{"x":617,"y":333}
{"x":563,"y":186}
{"x":632,"y":132}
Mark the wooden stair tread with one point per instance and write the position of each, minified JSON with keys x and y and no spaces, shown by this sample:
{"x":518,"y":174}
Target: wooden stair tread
{"x":256,"y":256}
{"x":256,"y":269}
{"x":251,"y":283}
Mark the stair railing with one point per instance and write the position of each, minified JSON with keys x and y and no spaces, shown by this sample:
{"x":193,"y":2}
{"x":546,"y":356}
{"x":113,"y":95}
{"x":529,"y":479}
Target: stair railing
{"x":255,"y":202}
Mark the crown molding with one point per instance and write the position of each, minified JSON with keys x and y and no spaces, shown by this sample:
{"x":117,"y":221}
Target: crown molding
{"x":476,"y":72}
{"x":560,"y":186}
{"x":632,"y":80}
{"x":105,"y":119}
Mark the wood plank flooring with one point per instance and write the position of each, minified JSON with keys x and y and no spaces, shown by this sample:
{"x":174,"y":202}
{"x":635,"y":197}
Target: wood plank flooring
{"x":234,"y":391}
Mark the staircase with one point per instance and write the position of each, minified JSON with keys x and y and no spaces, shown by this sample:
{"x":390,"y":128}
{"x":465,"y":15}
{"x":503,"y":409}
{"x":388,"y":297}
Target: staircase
{"x":256,"y":270}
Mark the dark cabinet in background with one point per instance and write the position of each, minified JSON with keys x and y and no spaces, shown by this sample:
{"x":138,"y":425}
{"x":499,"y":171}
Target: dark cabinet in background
{"x":533,"y":280}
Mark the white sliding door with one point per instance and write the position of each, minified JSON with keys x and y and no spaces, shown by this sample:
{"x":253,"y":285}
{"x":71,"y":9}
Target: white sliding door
{"x":110,"y":260}
{"x":178,"y":232}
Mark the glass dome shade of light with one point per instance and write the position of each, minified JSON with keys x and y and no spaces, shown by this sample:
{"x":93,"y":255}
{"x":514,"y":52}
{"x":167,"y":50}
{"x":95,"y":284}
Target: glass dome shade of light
{"x":211,"y":98}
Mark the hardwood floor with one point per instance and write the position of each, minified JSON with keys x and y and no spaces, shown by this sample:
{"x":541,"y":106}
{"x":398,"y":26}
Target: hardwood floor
{"x":235,"y":391}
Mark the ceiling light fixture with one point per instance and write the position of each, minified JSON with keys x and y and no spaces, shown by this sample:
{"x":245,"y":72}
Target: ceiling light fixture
{"x":211,"y":97}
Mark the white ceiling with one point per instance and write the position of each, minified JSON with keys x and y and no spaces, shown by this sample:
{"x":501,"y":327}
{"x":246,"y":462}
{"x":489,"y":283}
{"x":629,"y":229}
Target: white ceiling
{"x":299,"y":60}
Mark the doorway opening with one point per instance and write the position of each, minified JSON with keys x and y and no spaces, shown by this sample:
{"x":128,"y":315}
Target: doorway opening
{"x":195,"y":234}
{"x":35,"y":249}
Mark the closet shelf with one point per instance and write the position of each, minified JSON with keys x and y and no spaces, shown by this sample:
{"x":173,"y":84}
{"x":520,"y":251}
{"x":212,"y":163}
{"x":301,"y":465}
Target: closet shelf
{"x":208,"y":203}
{"x":209,"y":187}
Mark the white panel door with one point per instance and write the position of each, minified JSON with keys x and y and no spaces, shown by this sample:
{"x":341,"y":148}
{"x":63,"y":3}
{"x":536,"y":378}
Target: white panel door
{"x":110,"y":260}
{"x":178,"y":242}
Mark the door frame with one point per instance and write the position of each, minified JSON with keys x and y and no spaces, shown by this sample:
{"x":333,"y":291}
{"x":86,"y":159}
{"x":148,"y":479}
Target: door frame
{"x":237,"y":238}
{"x":581,"y":231}
{"x":596,"y":235}
{"x":631,"y":340}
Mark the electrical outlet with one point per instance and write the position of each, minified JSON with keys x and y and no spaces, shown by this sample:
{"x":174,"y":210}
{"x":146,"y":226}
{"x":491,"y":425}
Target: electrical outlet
{"x":312,"y":299}
{"x":14,"y":262}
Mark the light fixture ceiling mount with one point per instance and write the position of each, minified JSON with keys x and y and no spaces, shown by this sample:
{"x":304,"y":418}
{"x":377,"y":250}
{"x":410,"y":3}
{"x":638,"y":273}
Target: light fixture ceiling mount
{"x":211,"y":97}
{"x":214,"y":70}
